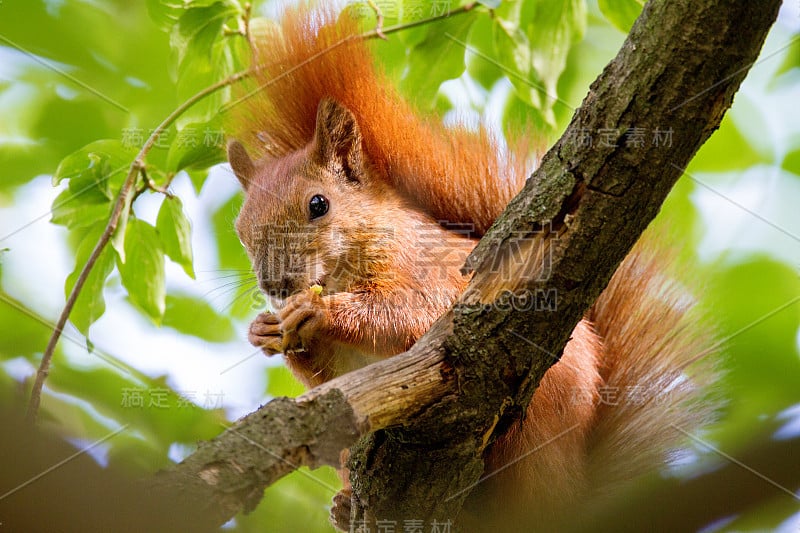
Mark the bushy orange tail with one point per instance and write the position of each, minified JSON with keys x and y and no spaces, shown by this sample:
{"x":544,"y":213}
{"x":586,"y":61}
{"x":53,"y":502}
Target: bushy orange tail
{"x":456,"y":175}
{"x":629,"y":386}
{"x":655,"y":370}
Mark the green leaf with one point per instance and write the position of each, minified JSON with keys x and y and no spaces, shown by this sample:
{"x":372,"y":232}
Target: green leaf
{"x":118,"y":238}
{"x":232,"y":255}
{"x":204,"y":55}
{"x":792,"y":58}
{"x":29,"y":332}
{"x":621,"y":13}
{"x":194,"y":316}
{"x":791,"y":162}
{"x":175,"y":232}
{"x":727,"y":149}
{"x":438,"y":58}
{"x":198,"y":73}
{"x":197,"y":146}
{"x":586,"y":60}
{"x":281,"y":382}
{"x":90,"y":304}
{"x":233,"y":261}
{"x":143,"y":271}
{"x":532,"y":43}
{"x":391,"y":53}
{"x":165,"y":13}
{"x":198,"y":178}
{"x":755,"y":309}
{"x":552,"y":27}
{"x":300,"y":502}
{"x":163,"y":417}
{"x":480,"y":68}
{"x":521,"y":116}
{"x":198,"y":29}
{"x":77,"y":211}
{"x":752,"y":124}
{"x":96,"y":173}
{"x":96,"y":170}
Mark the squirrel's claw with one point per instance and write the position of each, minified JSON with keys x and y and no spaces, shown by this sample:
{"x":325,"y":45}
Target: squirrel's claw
{"x":265,"y":333}
{"x":341,"y":508}
{"x":303,"y":318}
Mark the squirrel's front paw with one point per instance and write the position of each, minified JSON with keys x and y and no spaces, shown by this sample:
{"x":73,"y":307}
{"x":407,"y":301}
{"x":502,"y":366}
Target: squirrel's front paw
{"x":340,"y":510}
{"x":265,"y":333}
{"x":303,"y":320}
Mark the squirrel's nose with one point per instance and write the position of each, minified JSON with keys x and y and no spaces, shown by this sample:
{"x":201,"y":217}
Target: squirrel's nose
{"x":278,"y":284}
{"x":283,"y":288}
{"x":288,"y":285}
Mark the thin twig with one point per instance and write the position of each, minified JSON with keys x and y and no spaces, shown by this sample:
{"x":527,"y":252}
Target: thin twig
{"x":127,"y":187}
{"x":151,"y":185}
{"x":246,"y":23}
{"x":379,"y":17}
{"x":381,"y":32}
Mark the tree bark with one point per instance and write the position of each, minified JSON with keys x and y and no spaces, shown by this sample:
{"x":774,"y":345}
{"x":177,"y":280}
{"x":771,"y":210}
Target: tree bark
{"x":428,"y":414}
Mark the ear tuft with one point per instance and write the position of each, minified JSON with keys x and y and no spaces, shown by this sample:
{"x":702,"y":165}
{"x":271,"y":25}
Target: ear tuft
{"x":241,"y":163}
{"x":337,"y":140}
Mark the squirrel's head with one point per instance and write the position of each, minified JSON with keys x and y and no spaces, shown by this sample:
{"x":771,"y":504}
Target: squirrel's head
{"x":317,"y":215}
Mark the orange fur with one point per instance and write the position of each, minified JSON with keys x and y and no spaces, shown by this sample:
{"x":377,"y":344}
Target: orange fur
{"x":468,"y":177}
{"x":607,"y":412}
{"x":325,"y":121}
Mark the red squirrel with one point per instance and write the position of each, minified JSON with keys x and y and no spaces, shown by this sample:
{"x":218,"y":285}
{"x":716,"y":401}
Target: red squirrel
{"x":376,"y":206}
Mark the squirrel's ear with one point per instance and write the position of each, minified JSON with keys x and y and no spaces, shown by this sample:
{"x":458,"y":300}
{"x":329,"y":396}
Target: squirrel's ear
{"x":241,"y":163}
{"x":337,"y":140}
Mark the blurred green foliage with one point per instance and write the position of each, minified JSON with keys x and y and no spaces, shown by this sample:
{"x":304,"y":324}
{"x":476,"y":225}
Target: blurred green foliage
{"x":83,"y":84}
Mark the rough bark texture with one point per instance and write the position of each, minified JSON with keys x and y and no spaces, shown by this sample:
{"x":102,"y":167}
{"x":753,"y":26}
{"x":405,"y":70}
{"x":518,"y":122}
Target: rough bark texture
{"x":228,"y":474}
{"x":444,"y":400}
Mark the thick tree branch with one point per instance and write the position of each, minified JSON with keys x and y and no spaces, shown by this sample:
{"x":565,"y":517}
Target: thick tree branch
{"x":564,"y":235}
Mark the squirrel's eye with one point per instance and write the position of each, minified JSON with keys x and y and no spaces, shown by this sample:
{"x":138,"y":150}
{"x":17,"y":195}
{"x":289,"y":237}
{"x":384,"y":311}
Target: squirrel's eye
{"x":318,"y":206}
